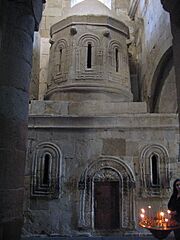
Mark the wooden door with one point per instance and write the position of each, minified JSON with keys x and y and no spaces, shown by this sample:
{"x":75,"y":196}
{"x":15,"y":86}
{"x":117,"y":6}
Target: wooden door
{"x":106,"y":205}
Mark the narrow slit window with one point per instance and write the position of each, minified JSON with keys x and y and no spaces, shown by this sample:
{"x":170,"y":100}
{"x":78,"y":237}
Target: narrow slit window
{"x":60,"y":59}
{"x":46,"y":169}
{"x":89,"y":55}
{"x":117,"y":59}
{"x":155,"y":170}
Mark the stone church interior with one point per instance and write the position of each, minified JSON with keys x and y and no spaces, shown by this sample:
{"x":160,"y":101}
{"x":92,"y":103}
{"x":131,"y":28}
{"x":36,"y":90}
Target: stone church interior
{"x":102,"y":118}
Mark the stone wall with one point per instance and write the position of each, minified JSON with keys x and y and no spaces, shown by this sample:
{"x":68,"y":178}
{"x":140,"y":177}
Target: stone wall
{"x":152,"y":39}
{"x":82,"y":141}
{"x":85,"y":145}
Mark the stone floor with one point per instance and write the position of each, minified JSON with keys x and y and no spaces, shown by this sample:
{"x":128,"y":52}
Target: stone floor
{"x":117,"y":238}
{"x":147,"y":237}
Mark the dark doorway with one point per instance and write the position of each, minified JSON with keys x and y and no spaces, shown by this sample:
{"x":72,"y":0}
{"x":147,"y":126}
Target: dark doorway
{"x":106,"y":205}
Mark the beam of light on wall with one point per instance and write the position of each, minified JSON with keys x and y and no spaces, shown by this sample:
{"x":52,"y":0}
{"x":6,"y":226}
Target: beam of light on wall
{"x":105,"y":2}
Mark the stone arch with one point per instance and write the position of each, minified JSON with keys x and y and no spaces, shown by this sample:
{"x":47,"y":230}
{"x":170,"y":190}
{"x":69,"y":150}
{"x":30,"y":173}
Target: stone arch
{"x":53,"y":187}
{"x":115,"y":50}
{"x":113,"y":46}
{"x":88,"y":37}
{"x":164,"y":68}
{"x":111,"y":168}
{"x":82,"y":70}
{"x":60,"y":58}
{"x":146,"y":173}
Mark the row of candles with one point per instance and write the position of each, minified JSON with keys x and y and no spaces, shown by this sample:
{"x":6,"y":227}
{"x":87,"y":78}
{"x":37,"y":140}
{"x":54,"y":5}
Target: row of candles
{"x":161,"y":218}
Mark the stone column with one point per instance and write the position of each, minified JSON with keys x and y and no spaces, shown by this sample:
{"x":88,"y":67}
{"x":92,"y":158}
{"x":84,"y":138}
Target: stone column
{"x":173,"y":7}
{"x":18,"y":20}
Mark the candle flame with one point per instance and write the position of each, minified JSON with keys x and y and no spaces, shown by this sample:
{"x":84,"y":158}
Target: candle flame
{"x":161,"y":219}
{"x":142,"y":210}
{"x":162,"y":214}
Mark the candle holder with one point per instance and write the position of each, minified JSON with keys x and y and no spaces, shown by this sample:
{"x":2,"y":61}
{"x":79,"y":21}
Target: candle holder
{"x":160,"y":225}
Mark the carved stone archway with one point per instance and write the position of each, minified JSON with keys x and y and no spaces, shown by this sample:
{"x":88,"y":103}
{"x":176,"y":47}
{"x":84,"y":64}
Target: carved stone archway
{"x":111,"y":169}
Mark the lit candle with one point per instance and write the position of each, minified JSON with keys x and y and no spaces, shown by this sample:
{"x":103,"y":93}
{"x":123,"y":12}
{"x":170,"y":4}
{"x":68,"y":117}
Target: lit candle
{"x":142,"y":210}
{"x":169,"y":212}
{"x":158,"y":215}
{"x":149,"y":211}
{"x":162,"y":215}
{"x":165,"y":224}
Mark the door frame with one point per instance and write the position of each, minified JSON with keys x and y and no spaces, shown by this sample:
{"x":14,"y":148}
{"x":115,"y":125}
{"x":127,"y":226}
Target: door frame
{"x":121,"y":172}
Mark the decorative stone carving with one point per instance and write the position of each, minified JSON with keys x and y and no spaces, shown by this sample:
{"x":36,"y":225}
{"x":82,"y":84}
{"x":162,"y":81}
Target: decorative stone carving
{"x":107,"y":168}
{"x":73,"y":30}
{"x":148,"y":189}
{"x":89,"y":75}
{"x":51,"y":186}
{"x":106,"y":33}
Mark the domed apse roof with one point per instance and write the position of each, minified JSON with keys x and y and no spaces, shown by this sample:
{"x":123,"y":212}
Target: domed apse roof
{"x":90,"y":7}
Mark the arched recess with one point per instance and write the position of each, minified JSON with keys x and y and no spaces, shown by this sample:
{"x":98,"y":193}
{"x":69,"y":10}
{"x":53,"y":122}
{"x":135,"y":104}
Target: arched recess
{"x":89,"y":57}
{"x":154,"y":163}
{"x":60,"y":58}
{"x":118,"y":63}
{"x":163,"y":88}
{"x":46,"y":171}
{"x":116,"y":55}
{"x":107,"y":169}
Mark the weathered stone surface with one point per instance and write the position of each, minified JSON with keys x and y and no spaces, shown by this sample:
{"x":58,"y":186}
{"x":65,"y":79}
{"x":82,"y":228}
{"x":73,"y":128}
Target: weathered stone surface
{"x":114,"y":147}
{"x":94,"y":136}
{"x":86,"y":108}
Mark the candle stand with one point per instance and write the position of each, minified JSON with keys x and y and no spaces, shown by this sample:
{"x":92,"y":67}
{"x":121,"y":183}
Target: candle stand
{"x":160,"y":225}
{"x":159,"y":232}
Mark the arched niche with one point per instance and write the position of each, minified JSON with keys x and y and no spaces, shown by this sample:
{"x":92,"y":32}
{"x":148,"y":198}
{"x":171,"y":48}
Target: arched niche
{"x":58,"y":64}
{"x":46,"y":171}
{"x":107,"y":169}
{"x":89,"y":58}
{"x":154,"y":167}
